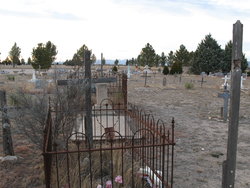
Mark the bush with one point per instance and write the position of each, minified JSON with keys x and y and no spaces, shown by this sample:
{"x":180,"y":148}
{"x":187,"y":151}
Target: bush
{"x":11,"y":77}
{"x":165,"y":70}
{"x":189,"y":85}
{"x":176,"y":68}
{"x":114,"y":69}
{"x":248,"y":73}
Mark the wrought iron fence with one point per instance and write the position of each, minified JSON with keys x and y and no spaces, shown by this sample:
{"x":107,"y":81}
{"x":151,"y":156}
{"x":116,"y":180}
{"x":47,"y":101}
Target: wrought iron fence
{"x":130,"y":149}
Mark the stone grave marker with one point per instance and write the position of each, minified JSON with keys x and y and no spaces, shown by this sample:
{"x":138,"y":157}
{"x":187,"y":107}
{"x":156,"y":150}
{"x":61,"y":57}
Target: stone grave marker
{"x":164,"y":82}
{"x":241,"y":82}
{"x":225,"y":95}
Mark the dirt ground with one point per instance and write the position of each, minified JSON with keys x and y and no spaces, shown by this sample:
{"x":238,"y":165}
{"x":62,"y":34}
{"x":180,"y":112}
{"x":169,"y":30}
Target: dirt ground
{"x":201,"y":134}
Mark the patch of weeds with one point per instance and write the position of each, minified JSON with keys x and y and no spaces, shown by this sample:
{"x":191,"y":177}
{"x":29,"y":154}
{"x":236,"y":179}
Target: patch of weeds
{"x":189,"y":85}
{"x":11,"y":77}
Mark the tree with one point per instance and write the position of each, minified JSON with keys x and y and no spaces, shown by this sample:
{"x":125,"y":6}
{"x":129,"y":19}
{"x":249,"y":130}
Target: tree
{"x":14,"y":55}
{"x":208,"y":56}
{"x":127,"y":62}
{"x":103,"y":61}
{"x":182,"y":56}
{"x":6,"y":61}
{"x":43,"y":55}
{"x":165,"y":70}
{"x":147,"y":56}
{"x":176,"y":68}
{"x":163,"y":59}
{"x":93,"y":58}
{"x":114,"y":69}
{"x":170,"y":58}
{"x":29,"y":61}
{"x":157,"y":60}
{"x":227,"y":59}
{"x":22,"y":62}
{"x":116,"y":62}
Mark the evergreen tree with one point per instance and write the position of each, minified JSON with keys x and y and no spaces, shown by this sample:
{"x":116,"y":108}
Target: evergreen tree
{"x":29,"y":61}
{"x":114,"y":69}
{"x":22,"y":62}
{"x":170,"y":58}
{"x":208,"y":56}
{"x":163,"y":59}
{"x":147,"y":56}
{"x":116,"y":62}
{"x":103,"y":61}
{"x":14,"y":55}
{"x":227,"y":59}
{"x":157,"y":60}
{"x":176,"y":68}
{"x":43,"y":55}
{"x":182,"y":56}
{"x":165,"y":70}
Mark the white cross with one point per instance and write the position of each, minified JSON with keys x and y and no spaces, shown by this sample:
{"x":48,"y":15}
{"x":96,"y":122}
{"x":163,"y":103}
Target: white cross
{"x":225,"y":83}
{"x":241,"y":82}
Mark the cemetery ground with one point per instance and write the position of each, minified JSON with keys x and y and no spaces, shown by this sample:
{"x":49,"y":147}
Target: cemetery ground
{"x":201,"y":133}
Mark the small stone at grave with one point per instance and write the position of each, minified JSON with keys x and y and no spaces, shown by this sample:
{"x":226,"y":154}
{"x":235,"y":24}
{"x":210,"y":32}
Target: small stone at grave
{"x":216,"y":154}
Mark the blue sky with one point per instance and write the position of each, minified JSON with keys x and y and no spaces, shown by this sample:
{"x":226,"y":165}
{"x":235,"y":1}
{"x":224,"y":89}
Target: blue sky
{"x":119,"y":28}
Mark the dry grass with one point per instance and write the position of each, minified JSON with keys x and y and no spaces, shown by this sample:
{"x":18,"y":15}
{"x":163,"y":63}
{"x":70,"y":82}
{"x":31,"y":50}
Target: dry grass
{"x":81,"y":172}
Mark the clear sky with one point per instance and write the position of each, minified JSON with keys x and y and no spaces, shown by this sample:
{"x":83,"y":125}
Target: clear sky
{"x":119,"y":28}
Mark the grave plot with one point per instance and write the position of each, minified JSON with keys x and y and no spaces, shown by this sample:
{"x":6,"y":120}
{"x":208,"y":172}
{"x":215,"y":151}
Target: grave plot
{"x":127,"y":147}
{"x":142,"y":157}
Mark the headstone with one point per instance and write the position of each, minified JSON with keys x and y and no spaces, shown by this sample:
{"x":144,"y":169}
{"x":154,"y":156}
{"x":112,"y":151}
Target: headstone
{"x":164,"y":82}
{"x":225,"y":95}
{"x":101,"y":92}
{"x":241,"y":82}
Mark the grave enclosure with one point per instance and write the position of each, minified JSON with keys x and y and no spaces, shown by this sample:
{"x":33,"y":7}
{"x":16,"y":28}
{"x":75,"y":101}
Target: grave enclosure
{"x":127,"y":142}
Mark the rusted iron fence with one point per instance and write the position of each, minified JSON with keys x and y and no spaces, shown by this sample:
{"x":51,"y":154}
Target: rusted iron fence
{"x":141,"y":155}
{"x":131,"y":148}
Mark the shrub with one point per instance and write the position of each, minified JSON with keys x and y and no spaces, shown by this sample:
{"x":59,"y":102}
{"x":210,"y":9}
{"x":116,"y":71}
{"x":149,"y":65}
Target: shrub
{"x":165,"y":70}
{"x":114,"y":69}
{"x":176,"y":68}
{"x":248,"y":73}
{"x":189,"y":85}
{"x":11,"y":77}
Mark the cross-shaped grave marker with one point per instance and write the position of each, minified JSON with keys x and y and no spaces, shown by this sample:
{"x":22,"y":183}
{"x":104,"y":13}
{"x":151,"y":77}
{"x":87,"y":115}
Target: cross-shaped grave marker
{"x":88,"y":82}
{"x":225,"y":85}
{"x":225,"y":95}
{"x":202,"y":80}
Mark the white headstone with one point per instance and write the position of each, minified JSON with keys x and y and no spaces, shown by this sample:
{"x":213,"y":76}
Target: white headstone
{"x":241,"y":82}
{"x":101,"y":92}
